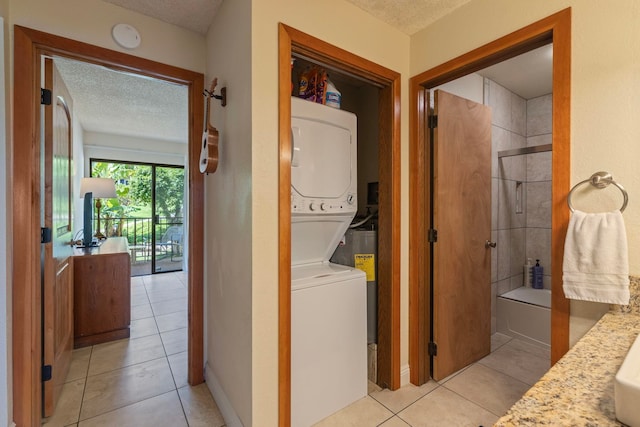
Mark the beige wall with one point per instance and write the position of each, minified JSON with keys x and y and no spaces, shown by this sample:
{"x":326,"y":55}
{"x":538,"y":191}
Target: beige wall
{"x":228,"y":218}
{"x":346,"y":26}
{"x":91,"y":21}
{"x":605,"y":92}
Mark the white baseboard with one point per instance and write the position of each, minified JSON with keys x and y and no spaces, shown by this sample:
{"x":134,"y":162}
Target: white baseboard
{"x":231,"y":419}
{"x":405,"y":376}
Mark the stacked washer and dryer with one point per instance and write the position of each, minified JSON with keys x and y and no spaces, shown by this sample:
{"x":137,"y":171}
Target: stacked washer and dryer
{"x":328,"y":301}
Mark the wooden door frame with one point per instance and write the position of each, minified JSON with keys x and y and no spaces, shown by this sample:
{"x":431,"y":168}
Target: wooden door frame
{"x":557,"y":29}
{"x":292,"y":41}
{"x":29,"y":45}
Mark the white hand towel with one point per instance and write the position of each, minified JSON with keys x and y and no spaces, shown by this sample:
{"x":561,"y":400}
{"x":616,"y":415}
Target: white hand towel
{"x":596,"y":260}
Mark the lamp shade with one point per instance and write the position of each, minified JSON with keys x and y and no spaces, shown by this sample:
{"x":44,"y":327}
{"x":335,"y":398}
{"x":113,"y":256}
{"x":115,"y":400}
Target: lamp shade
{"x":102,"y":188}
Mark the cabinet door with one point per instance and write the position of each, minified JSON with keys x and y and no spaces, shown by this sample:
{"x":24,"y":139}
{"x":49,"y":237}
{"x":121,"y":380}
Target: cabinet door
{"x":102,"y":298}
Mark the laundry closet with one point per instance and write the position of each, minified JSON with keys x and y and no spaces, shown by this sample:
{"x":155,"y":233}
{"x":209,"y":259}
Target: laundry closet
{"x":334,"y":223}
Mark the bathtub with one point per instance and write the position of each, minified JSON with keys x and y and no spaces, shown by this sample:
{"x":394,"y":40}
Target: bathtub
{"x":525,"y":313}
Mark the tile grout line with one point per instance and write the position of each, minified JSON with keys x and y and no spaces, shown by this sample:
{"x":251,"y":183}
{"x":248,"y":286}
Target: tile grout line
{"x":84,"y":387}
{"x":472,"y":402}
{"x":85,"y":378}
{"x":123,"y":367}
{"x":184,"y":413}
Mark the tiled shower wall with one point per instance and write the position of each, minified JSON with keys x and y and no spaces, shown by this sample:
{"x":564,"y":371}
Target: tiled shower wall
{"x":521,"y":228}
{"x":538,"y":206}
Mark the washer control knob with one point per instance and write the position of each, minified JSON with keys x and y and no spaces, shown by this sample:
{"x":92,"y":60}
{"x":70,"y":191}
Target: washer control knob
{"x":350,"y":199}
{"x":323,"y":206}
{"x":312,"y":206}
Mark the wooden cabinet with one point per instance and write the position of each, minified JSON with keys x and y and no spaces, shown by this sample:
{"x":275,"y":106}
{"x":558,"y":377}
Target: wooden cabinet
{"x":102,"y":293}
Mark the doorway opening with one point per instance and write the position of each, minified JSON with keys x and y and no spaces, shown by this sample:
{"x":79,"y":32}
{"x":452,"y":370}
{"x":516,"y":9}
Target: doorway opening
{"x":149,"y":212}
{"x":555,"y":29}
{"x":30,"y":47}
{"x":295,"y":44}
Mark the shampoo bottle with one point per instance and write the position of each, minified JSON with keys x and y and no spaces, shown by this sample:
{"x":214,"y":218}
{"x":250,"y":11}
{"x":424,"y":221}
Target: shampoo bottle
{"x":526,"y":274}
{"x":538,"y":275}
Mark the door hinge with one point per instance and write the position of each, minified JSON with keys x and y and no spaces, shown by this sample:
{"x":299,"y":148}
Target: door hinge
{"x":433,"y":122}
{"x":47,"y":372}
{"x":432,"y":235}
{"x":45,"y":97}
{"x":45,"y":234}
{"x":432,"y":349}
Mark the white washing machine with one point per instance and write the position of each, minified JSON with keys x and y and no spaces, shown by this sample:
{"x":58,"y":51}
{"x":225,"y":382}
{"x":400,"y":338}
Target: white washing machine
{"x":328,"y":301}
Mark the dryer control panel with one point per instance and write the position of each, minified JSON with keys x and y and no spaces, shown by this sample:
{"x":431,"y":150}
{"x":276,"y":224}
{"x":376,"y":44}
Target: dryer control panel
{"x":314,"y":206}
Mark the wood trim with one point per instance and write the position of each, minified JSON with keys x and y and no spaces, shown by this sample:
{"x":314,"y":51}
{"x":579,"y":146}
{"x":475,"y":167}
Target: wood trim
{"x":419,"y":253}
{"x":292,"y":41}
{"x":29,"y":45}
{"x":333,"y":57}
{"x":284,"y":227}
{"x":561,"y":182}
{"x":389,"y":238}
{"x":26,"y":293}
{"x":195,"y":275}
{"x":557,"y":29}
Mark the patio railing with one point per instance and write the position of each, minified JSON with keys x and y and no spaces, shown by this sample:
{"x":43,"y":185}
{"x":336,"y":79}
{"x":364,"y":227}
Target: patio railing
{"x":139,"y":232}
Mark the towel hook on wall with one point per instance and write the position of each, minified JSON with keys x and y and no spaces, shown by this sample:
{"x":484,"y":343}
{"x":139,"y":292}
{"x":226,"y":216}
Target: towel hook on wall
{"x":600,"y":180}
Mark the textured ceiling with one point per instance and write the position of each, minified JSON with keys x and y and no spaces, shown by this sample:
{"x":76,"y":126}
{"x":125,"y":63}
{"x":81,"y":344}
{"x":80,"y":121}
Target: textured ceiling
{"x":408,"y":16}
{"x":194,"y":15}
{"x":119,"y":103}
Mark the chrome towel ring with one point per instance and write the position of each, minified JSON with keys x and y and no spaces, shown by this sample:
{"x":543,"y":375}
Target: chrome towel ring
{"x":600,"y":180}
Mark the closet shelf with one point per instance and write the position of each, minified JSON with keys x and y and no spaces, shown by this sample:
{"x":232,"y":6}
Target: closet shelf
{"x":525,"y":150}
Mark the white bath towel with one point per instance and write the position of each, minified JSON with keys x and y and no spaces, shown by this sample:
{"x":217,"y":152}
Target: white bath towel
{"x":596,"y":259}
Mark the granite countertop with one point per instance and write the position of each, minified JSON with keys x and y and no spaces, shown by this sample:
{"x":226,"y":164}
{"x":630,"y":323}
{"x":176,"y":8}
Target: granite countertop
{"x":578,"y":389}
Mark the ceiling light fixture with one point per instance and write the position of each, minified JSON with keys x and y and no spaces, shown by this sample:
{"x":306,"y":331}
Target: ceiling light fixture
{"x":126,"y":36}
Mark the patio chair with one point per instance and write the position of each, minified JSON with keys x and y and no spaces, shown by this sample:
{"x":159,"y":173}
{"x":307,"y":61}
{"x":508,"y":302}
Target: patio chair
{"x":171,"y":242}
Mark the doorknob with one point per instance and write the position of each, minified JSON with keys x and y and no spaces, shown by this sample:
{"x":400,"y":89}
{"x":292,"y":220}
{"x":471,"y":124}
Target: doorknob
{"x":489,"y":244}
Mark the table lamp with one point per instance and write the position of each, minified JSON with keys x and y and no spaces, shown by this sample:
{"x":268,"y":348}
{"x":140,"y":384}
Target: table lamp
{"x":96,"y":188}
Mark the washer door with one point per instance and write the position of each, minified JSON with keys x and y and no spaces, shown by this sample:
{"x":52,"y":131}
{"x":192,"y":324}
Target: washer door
{"x":321,"y":158}
{"x":314,"y":238}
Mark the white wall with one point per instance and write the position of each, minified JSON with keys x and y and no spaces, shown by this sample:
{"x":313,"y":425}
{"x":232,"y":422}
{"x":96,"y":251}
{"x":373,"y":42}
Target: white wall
{"x":348,"y":27}
{"x":228,"y":219}
{"x":605,"y":92}
{"x":99,"y":145}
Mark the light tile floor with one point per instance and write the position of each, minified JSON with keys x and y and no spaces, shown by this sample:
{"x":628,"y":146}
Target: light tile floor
{"x":140,"y":381}
{"x":474,"y":396}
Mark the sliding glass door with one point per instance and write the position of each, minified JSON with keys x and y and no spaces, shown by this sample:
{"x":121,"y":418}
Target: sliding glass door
{"x":168,"y":197}
{"x":149,"y":211}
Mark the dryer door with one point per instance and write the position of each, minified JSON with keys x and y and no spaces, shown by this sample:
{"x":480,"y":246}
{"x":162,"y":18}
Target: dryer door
{"x":321,"y":163}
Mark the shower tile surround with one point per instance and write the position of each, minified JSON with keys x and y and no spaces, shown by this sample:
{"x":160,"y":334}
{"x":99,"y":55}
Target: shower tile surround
{"x":518,"y":123}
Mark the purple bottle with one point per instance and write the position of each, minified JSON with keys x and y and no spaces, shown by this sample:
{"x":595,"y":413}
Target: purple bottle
{"x":537,"y":275}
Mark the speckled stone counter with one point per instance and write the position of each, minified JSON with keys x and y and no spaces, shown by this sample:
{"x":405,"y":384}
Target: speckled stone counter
{"x":578,"y":390}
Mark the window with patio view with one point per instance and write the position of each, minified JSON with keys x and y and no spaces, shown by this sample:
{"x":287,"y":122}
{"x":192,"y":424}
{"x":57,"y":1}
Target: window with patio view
{"x":148,"y":211}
